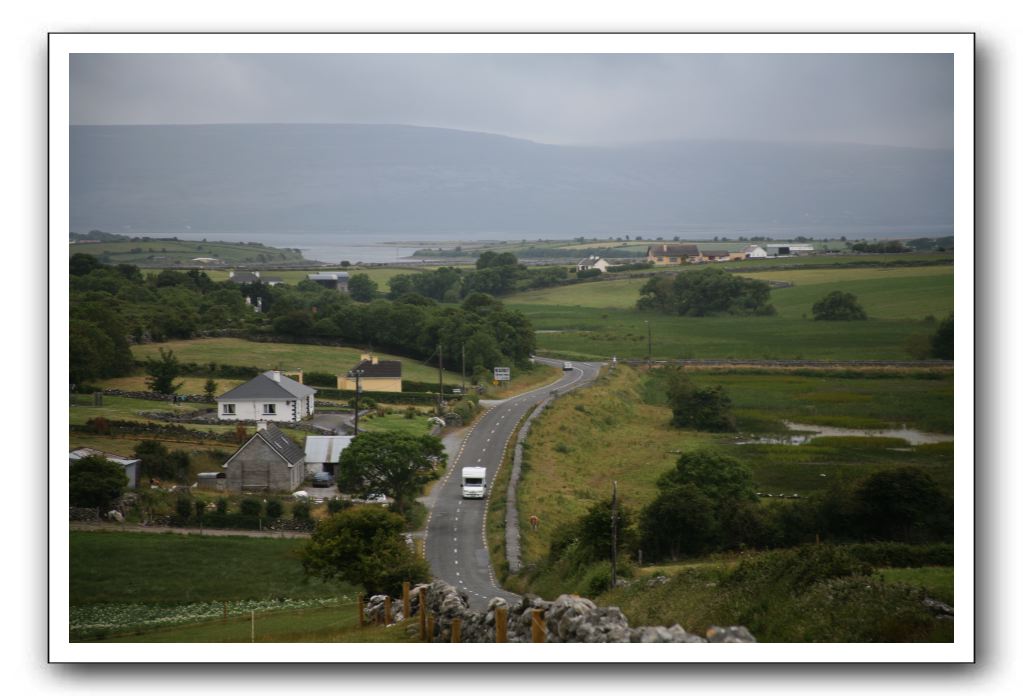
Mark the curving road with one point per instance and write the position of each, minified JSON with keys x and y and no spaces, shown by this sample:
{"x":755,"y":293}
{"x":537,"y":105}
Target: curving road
{"x":454,"y":539}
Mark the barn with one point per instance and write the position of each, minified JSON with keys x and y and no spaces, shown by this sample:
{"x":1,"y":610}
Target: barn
{"x":268,"y":461}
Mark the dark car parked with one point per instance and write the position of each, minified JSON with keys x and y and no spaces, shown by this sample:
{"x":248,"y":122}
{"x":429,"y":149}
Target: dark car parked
{"x":322,"y":480}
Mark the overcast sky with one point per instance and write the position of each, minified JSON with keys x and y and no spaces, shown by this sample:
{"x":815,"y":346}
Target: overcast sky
{"x":884,"y":99}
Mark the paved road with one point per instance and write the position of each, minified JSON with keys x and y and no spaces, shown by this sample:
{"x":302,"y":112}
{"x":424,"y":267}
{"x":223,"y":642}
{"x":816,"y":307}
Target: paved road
{"x":455,"y":546}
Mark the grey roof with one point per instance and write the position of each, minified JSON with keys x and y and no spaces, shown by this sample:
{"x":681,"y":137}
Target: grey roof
{"x":264,"y":387}
{"x":83,"y":452}
{"x":325,"y":448}
{"x":340,"y":275}
{"x":244,"y":277}
{"x":384,"y":368}
{"x":281,"y":443}
{"x":673,"y":250}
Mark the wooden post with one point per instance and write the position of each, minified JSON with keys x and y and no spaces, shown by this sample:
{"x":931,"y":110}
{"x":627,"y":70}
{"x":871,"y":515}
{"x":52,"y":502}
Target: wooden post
{"x":422,"y":613}
{"x":252,"y":629}
{"x":539,"y":627}
{"x":387,"y":610}
{"x":456,"y":630}
{"x":406,"y":601}
{"x":429,"y":628}
{"x":501,"y":632}
{"x":361,"y":617}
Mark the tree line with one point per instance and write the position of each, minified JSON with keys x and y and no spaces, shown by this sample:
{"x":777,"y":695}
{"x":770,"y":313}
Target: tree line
{"x":111,"y":306}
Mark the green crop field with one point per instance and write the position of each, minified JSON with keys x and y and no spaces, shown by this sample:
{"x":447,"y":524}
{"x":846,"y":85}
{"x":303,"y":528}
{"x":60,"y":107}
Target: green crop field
{"x":288,"y":356}
{"x":168,"y":252}
{"x":173,"y":588}
{"x":596,"y":320}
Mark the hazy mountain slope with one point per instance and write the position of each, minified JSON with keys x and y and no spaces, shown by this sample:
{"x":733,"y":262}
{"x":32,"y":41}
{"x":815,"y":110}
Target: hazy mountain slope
{"x":401,"y":178}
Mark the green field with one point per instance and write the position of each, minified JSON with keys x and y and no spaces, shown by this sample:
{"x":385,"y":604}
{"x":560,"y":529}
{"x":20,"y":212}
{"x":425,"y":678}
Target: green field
{"x":287,"y":356}
{"x":167,"y":252}
{"x":172,"y":587}
{"x":619,"y":430}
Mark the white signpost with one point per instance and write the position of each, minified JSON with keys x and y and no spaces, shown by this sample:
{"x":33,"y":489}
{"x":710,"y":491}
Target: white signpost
{"x":502,"y":374}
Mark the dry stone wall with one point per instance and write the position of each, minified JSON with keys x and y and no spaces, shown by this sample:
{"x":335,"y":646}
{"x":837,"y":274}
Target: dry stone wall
{"x":568,"y":619}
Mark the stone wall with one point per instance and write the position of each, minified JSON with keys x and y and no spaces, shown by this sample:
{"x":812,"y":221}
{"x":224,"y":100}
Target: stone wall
{"x":568,"y":619}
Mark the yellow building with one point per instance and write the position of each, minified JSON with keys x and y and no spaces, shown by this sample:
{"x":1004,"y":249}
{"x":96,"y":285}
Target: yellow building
{"x":670,"y":254}
{"x":373,"y":375}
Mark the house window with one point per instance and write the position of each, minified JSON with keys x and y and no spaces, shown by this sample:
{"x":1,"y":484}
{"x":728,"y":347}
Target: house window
{"x":673,"y":259}
{"x":228,"y":409}
{"x":269,"y":409}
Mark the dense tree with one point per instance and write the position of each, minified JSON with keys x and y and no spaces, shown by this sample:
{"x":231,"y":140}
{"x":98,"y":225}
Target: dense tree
{"x":160,"y":463}
{"x":594,"y":531}
{"x":83,"y":264}
{"x":904,"y":504}
{"x":700,"y":408}
{"x":943,"y":341}
{"x":364,"y":545}
{"x":493,"y":259}
{"x":162,"y":372}
{"x":719,"y":477}
{"x":838,"y":306}
{"x":391,"y":464}
{"x":680,"y":521}
{"x":96,"y":482}
{"x":706,"y":292}
{"x":362,"y":288}
{"x":296,"y":323}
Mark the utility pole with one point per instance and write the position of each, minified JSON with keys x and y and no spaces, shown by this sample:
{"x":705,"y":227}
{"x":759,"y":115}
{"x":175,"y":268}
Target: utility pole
{"x":358,"y":390}
{"x":463,"y":369}
{"x":440,"y":376}
{"x":614,"y":534}
{"x":649,"y":344}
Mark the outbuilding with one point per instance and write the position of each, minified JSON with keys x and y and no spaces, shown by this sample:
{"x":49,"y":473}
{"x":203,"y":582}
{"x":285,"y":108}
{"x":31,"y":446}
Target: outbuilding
{"x":323,"y":452}
{"x":268,"y":461}
{"x":130,"y":465}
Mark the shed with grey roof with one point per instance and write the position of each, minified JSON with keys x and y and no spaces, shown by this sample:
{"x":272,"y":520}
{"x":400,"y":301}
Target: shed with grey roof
{"x":270,"y":396}
{"x":268,"y":461}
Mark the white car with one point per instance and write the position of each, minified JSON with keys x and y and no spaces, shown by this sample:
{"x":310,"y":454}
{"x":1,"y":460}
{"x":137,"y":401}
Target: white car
{"x":567,"y":366}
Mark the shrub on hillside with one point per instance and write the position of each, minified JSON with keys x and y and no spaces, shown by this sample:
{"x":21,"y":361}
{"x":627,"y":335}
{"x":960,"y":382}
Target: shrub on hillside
{"x":838,"y":306}
{"x":680,"y":521}
{"x":301,"y":510}
{"x":251,"y":507}
{"x":274,"y":509}
{"x":706,"y":408}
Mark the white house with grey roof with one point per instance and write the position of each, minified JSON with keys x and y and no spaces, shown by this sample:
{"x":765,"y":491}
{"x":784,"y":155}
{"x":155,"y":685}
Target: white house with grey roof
{"x":270,"y":396}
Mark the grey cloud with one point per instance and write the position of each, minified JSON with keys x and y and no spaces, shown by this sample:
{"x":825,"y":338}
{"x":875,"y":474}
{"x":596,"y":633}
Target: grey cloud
{"x":886,"y":99}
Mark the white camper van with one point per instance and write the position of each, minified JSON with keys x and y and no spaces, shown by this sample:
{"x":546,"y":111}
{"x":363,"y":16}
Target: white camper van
{"x":474,"y":482}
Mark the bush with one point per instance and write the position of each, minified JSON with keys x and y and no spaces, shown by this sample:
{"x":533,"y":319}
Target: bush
{"x":719,"y":477}
{"x":889,"y":554}
{"x":680,"y":521}
{"x":274,"y":509}
{"x":904,"y":504}
{"x":96,"y":482}
{"x":222,"y":506}
{"x":251,"y":507}
{"x":301,"y":510}
{"x":364,"y":545}
{"x":791,"y":571}
{"x":183,"y":507}
{"x":838,"y":306}
{"x":942,"y":342}
{"x":707,"y":408}
{"x":320,"y":379}
{"x":200,"y":508}
{"x":337,"y":505}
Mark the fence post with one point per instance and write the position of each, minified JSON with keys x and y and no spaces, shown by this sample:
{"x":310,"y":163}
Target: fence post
{"x":406,"y":603}
{"x":422,"y":613}
{"x":252,"y":629}
{"x":361,"y":617}
{"x":223,"y":616}
{"x":430,"y":624}
{"x":539,"y":627}
{"x":387,"y":610}
{"x":501,"y":629}
{"x":456,"y":630}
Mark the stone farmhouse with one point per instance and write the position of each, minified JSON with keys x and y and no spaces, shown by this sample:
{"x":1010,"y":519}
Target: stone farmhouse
{"x":268,"y":461}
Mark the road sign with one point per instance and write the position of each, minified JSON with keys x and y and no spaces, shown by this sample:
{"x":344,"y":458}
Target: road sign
{"x":502,"y":374}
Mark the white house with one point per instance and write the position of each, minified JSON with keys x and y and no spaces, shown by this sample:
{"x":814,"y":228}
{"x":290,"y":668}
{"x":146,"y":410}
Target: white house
{"x":592,"y":262}
{"x":322,"y":452}
{"x":270,"y":396}
{"x":754,"y":251}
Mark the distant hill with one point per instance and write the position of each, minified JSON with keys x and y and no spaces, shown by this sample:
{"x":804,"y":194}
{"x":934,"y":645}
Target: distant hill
{"x":394,"y":179}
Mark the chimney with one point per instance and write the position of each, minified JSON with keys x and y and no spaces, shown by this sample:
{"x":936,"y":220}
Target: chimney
{"x":275,"y":375}
{"x":364,"y":356}
{"x":260,"y":425}
{"x":375,"y":360}
{"x":300,"y":376}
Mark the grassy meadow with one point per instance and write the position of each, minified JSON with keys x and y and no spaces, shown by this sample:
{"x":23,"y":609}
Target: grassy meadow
{"x":598,"y":319}
{"x":168,"y":252}
{"x":288,"y":356}
{"x":619,"y":430}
